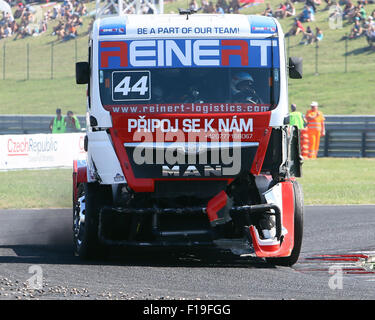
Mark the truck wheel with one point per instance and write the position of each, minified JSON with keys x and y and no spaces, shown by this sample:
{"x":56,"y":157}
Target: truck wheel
{"x":298,"y":230}
{"x":90,"y":198}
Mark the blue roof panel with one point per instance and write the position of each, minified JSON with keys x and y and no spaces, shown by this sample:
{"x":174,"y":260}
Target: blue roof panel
{"x":113,"y":26}
{"x":262,"y":24}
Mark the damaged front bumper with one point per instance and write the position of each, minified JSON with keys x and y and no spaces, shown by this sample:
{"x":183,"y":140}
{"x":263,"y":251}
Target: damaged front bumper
{"x":207,"y":236}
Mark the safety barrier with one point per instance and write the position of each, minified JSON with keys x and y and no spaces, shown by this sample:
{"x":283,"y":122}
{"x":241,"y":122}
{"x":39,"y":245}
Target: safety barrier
{"x":346,"y":136}
{"x":32,"y":151}
{"x":26,"y":124}
{"x":304,"y":143}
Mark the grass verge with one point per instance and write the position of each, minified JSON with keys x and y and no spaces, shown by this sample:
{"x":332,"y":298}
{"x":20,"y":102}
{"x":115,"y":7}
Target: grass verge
{"x":325,"y":181}
{"x":36,"y":189}
{"x":339,"y":181}
{"x":42,"y":96}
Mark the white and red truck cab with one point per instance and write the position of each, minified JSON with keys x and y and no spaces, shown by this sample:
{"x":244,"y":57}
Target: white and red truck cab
{"x":187,"y":142}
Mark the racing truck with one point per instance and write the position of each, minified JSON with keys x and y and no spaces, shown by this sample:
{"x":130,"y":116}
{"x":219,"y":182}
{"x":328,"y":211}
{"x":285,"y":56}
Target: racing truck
{"x":188,"y":142}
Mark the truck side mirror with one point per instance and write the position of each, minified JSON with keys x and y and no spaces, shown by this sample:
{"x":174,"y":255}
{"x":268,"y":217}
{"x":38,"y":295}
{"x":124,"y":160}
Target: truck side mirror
{"x":82,"y":72}
{"x":295,"y":67}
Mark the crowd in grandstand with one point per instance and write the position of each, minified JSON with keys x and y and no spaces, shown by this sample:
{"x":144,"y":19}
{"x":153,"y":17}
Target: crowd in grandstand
{"x":222,"y":6}
{"x":343,"y":10}
{"x":69,"y":15}
{"x":27,"y":21}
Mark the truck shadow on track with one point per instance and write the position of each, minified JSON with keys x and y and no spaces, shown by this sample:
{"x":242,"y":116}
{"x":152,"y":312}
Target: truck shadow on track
{"x":193,"y":258}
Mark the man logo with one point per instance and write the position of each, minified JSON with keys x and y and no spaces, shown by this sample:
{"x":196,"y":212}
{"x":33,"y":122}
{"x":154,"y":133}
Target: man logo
{"x":192,"y":171}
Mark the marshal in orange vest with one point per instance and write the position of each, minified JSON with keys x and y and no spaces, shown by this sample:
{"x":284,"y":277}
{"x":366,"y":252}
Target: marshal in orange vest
{"x":315,"y":129}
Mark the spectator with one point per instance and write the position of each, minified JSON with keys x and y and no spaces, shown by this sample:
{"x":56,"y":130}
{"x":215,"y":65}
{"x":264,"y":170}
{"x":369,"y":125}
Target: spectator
{"x":234,"y":6}
{"x":211,"y":7}
{"x":24,"y":31}
{"x":208,"y":7}
{"x":7,"y":18}
{"x":19,"y":11}
{"x":352,"y":13}
{"x":77,"y":20}
{"x":219,"y":9}
{"x":72,"y":122}
{"x":14,"y":25}
{"x":204,"y":5}
{"x":280,"y":12}
{"x":7,"y":31}
{"x":359,"y":13}
{"x":194,"y":6}
{"x":296,"y":118}
{"x":311,"y":4}
{"x":296,"y":28}
{"x":329,"y":4}
{"x":81,"y":9}
{"x":5,"y":25}
{"x":223,"y":4}
{"x":90,"y":25}
{"x":27,"y":17}
{"x":268,"y":11}
{"x":348,"y":10}
{"x":362,"y":12}
{"x":307,"y":14}
{"x":55,"y":12}
{"x":318,"y":34}
{"x":290,"y":9}
{"x":71,"y":31}
{"x":370,"y":36}
{"x":356,"y":31}
{"x":308,"y":36}
{"x":312,"y":13}
{"x":368,"y":23}
{"x":59,"y":30}
{"x":57,"y":124}
{"x":43,"y":26}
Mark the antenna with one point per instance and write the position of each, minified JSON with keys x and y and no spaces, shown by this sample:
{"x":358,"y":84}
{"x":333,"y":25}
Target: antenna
{"x":187,"y":12}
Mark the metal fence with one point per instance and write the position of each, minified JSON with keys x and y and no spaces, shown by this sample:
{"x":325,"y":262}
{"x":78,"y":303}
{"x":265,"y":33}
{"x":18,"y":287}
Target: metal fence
{"x":345,"y":55}
{"x":33,"y":61}
{"x":15,"y":124}
{"x":28,"y":60}
{"x":346,"y":136}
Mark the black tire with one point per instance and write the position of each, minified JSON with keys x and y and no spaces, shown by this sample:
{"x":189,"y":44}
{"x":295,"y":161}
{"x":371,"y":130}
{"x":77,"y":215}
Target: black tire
{"x":85,"y":235}
{"x":298,"y":230}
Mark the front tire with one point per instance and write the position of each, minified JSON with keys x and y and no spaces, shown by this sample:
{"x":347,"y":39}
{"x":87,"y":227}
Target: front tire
{"x":90,"y":198}
{"x":298,"y":230}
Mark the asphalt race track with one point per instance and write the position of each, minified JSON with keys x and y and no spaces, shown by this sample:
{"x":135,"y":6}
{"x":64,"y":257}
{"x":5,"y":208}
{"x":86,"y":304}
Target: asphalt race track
{"x":337,"y":240}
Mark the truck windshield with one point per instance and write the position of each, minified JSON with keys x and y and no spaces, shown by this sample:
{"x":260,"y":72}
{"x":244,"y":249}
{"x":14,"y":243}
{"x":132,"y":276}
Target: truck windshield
{"x":250,"y":86}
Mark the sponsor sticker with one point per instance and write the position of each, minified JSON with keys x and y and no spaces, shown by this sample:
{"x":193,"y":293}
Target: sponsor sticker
{"x":112,"y":30}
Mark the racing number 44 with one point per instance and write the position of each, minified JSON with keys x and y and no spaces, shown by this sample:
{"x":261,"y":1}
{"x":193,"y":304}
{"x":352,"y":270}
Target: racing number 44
{"x":140,"y":86}
{"x":131,"y":85}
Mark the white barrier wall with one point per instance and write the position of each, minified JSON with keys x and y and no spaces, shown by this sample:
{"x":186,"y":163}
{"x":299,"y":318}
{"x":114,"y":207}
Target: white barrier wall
{"x":31,"y":151}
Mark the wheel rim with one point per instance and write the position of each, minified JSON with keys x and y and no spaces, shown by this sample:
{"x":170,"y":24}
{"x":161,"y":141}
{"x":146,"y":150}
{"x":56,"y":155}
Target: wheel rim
{"x":79,"y":219}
